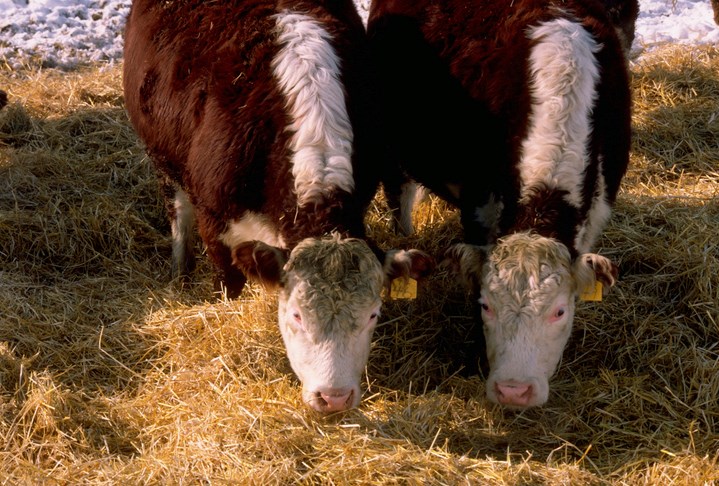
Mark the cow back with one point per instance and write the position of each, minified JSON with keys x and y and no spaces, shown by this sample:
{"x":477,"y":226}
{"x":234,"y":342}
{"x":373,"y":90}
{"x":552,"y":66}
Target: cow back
{"x":203,"y":95}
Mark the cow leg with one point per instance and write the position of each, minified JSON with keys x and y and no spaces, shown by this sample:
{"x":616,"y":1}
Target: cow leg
{"x":181,"y":214}
{"x":401,"y":199}
{"x":401,"y":193}
{"x":231,"y":281}
{"x":228,"y":278}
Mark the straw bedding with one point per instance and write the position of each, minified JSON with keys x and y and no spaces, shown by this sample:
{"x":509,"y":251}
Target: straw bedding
{"x":111,"y":374}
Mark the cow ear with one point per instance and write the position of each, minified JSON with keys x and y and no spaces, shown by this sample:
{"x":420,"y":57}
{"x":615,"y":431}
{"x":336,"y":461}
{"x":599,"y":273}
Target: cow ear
{"x":408,"y":263}
{"x":260,"y":262}
{"x":466,"y":261}
{"x":591,"y":266}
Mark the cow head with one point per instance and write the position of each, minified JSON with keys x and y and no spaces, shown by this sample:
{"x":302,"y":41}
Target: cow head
{"x":329,"y":304}
{"x":527,"y":287}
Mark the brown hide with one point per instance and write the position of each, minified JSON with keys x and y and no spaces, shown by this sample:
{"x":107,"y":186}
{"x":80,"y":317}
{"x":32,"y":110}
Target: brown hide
{"x":457,"y":91}
{"x":456,"y":94}
{"x":200,"y":92}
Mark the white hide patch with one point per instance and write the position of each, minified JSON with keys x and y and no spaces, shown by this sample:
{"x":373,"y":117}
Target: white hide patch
{"x":251,"y":227}
{"x":597,"y":218}
{"x":412,"y":195}
{"x":183,"y":231}
{"x":182,"y":226}
{"x":307,"y":70}
{"x":563,"y":77}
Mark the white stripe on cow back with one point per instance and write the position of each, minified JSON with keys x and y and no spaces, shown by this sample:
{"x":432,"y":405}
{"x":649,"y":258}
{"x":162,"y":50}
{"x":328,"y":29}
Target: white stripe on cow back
{"x":563,"y":76}
{"x":307,"y":70}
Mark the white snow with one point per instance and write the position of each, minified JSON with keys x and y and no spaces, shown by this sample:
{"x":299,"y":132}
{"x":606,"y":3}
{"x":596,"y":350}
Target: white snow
{"x":681,"y":21}
{"x":61,"y":33}
{"x":64,"y":34}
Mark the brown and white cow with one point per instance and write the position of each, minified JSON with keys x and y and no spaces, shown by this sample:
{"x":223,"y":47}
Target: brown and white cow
{"x":518,"y":113}
{"x":260,"y":118}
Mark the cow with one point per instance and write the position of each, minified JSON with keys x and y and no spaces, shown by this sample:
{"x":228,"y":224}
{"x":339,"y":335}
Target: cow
{"x":260,"y":118}
{"x":517,"y":113}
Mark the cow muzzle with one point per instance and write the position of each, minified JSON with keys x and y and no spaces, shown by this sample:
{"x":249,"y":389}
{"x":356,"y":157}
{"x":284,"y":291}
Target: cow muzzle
{"x":333,"y":399}
{"x":518,"y":394}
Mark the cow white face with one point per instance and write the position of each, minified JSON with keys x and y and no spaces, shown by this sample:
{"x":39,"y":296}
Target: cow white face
{"x":329,"y":305}
{"x":527,"y":310}
{"x":528,"y":286}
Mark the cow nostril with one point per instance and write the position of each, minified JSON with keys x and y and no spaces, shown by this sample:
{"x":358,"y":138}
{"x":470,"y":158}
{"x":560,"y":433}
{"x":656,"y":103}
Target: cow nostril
{"x":514,"y":393}
{"x":334,"y":401}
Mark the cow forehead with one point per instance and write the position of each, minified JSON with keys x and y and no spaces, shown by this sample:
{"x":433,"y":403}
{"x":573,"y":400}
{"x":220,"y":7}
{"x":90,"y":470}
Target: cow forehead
{"x":528,"y":269}
{"x":333,"y":280}
{"x":331,"y":258}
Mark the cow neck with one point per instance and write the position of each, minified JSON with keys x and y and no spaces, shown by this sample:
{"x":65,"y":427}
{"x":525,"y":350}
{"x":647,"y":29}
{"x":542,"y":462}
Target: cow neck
{"x":546,"y":212}
{"x":322,"y":218}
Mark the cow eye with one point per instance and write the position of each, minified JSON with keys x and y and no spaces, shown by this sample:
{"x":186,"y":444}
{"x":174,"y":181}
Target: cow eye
{"x":371,"y":320}
{"x":558,"y":314}
{"x":297,"y":321}
{"x":486,"y":309}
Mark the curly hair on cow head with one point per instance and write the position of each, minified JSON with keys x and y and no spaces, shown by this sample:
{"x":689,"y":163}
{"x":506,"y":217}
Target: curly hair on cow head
{"x":523,"y":262}
{"x":336,"y":277}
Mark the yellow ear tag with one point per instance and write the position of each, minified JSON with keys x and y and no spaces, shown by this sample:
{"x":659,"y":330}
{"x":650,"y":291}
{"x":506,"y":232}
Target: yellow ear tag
{"x":592,"y":293}
{"x":403,"y":288}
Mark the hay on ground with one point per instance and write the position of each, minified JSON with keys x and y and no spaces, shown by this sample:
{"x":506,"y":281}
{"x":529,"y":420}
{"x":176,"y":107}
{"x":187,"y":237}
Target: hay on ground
{"x":111,"y":374}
